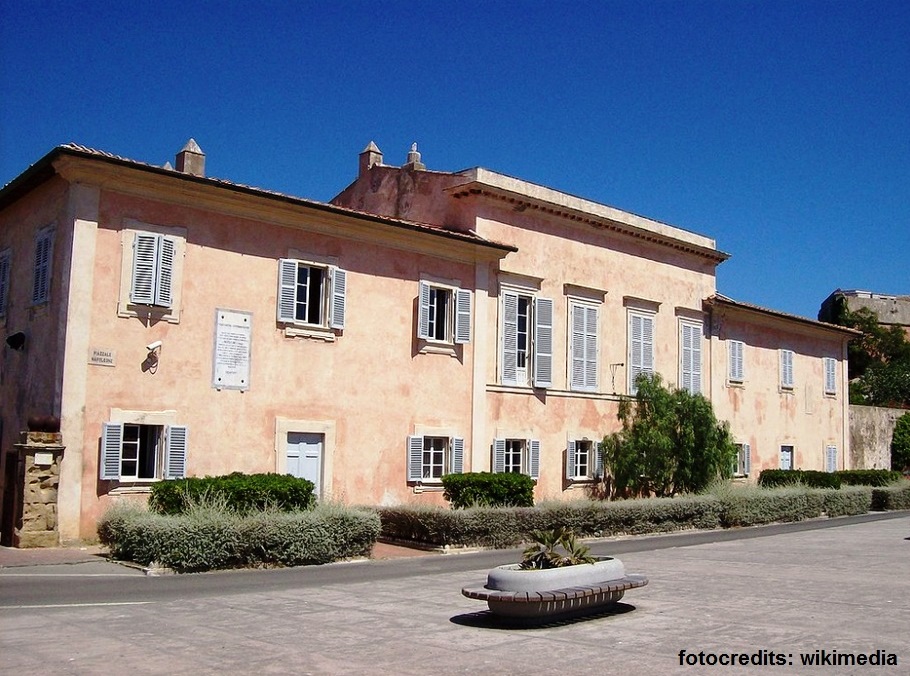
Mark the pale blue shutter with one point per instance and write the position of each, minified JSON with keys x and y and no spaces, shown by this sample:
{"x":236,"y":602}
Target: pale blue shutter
{"x":4,"y":281}
{"x":830,"y":376}
{"x":570,"y":460}
{"x":509,"y":358}
{"x":164,"y":274}
{"x":287,"y":290}
{"x":462,"y":316}
{"x":457,"y":456}
{"x":691,"y":358}
{"x":175,"y":452}
{"x":543,"y":342}
{"x":590,"y":348}
{"x":577,"y":379}
{"x":145,"y":263}
{"x":415,"y":458}
{"x":339,"y":291}
{"x":598,"y":459}
{"x":534,"y":458}
{"x":786,"y":368}
{"x":635,"y":351}
{"x":647,"y":344}
{"x":423,"y":312}
{"x":735,"y":365}
{"x":831,"y":458}
{"x":111,"y":449}
{"x":499,"y":455}
{"x":747,"y":459}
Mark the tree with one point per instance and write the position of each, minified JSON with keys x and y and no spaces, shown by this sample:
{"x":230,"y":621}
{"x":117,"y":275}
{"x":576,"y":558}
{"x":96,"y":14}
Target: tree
{"x":900,"y":444}
{"x":670,"y":442}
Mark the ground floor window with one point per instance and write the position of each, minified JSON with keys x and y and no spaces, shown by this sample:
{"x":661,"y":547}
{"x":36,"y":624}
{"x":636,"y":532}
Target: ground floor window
{"x":742,"y":465}
{"x":517,"y":456}
{"x":136,"y":452}
{"x":786,"y":457}
{"x":430,"y":457}
{"x":583,"y":460}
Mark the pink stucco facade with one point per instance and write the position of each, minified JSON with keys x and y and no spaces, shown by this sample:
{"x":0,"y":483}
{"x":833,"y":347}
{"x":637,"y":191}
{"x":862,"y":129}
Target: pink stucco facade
{"x":445,"y":322}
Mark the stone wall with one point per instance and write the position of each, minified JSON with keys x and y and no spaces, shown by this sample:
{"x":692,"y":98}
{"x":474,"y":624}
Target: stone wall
{"x":42,"y":453}
{"x":871,"y":428}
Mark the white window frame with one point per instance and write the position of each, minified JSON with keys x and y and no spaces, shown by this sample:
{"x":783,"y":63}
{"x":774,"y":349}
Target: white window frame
{"x":592,"y":465}
{"x":583,"y":361}
{"x":43,"y":268}
{"x":736,"y":361}
{"x":530,"y":455}
{"x":6,"y":258}
{"x":742,"y":465}
{"x":332,"y":295}
{"x":538,"y":369}
{"x":640,"y":350}
{"x":791,"y":450}
{"x":170,"y":452}
{"x":830,"y":367}
{"x":420,"y":471}
{"x":457,"y":314}
{"x":830,"y":458}
{"x":131,"y":234}
{"x":787,"y":357}
{"x":691,"y":334}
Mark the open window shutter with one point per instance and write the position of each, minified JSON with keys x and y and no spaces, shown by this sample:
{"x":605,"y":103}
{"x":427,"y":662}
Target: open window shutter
{"x":423,"y":313}
{"x":165,"y":271}
{"x":4,"y":281}
{"x":175,"y":452}
{"x":686,"y":358}
{"x":145,"y":263}
{"x":647,"y":344}
{"x":457,"y":456}
{"x":534,"y":458}
{"x":598,"y":459}
{"x":111,"y":448}
{"x":287,"y":289}
{"x":577,"y":378}
{"x":509,"y":361}
{"x":339,"y":290}
{"x":462,"y":316}
{"x":696,"y":332}
{"x":543,"y":342}
{"x":635,"y":350}
{"x":590,"y":377}
{"x":570,"y":460}
{"x":415,"y":458}
{"x":747,"y":459}
{"x":499,"y":455}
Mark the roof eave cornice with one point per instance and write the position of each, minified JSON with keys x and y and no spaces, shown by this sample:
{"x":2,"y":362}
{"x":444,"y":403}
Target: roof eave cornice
{"x":722,"y":302}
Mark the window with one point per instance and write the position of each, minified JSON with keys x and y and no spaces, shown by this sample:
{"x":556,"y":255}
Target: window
{"x":583,"y":347}
{"x":430,"y":457}
{"x":830,"y":376}
{"x":153,"y":270}
{"x":583,"y":460}
{"x":44,"y":255}
{"x":444,"y":314}
{"x":743,"y":462}
{"x":527,"y":340}
{"x":786,"y":457}
{"x":830,"y":458}
{"x":690,"y":337}
{"x":641,"y":347}
{"x":519,"y":456}
{"x":5,"y":257}
{"x":735,"y":368}
{"x":133,"y":452}
{"x":786,"y":369}
{"x":311,"y":294}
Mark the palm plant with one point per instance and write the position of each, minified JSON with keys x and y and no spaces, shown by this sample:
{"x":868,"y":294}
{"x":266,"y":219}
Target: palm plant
{"x":555,"y":548}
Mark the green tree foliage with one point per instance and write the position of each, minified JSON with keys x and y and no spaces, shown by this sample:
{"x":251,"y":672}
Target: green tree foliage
{"x":670,"y":442}
{"x":900,"y":444}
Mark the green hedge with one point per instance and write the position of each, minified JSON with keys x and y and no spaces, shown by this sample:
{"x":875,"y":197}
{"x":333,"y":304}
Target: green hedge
{"x":848,"y":501}
{"x":486,"y":489}
{"x":750,"y":506}
{"x":208,"y":538}
{"x":772,"y":478}
{"x":243,"y":493}
{"x":869,"y":477}
{"x":889,"y":498}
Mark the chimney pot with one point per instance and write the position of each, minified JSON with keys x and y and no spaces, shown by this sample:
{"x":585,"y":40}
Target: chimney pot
{"x":369,"y":157}
{"x":191,"y":159}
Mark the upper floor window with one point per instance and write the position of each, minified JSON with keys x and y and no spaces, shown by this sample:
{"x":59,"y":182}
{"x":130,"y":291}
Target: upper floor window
{"x":641,"y":347}
{"x":519,"y":456}
{"x":583,"y":347}
{"x":735,"y":361}
{"x":690,"y":337}
{"x":430,"y":457}
{"x":830,"y":375}
{"x":786,"y":369}
{"x":311,"y":294}
{"x":444,"y":314}
{"x":44,"y":255}
{"x":153,"y":269}
{"x":583,"y":460}
{"x":5,"y":258}
{"x":527,"y":340}
{"x":134,"y":452}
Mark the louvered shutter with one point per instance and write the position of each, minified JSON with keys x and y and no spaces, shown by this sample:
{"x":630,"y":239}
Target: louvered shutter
{"x":747,"y":459}
{"x":735,"y":366}
{"x":635,"y":351}
{"x":423,"y":314}
{"x":590,"y":348}
{"x":175,"y":452}
{"x":339,"y":291}
{"x":499,"y":455}
{"x":647,"y":344}
{"x":111,"y":449}
{"x":164,"y":273}
{"x":831,"y":458}
{"x":456,"y":465}
{"x":598,"y":459}
{"x":509,"y":358}
{"x":44,"y":252}
{"x":415,"y":458}
{"x":287,"y":290}
{"x":577,"y":378}
{"x":145,"y":263}
{"x":830,"y":376}
{"x":691,"y":358}
{"x":543,"y":342}
{"x":570,"y":460}
{"x":4,"y":281}
{"x":462,"y":316}
{"x":786,"y":368}
{"x":534,"y":458}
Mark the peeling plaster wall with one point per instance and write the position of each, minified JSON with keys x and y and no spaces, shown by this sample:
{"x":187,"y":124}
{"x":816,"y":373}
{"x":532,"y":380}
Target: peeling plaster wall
{"x":871,"y":428}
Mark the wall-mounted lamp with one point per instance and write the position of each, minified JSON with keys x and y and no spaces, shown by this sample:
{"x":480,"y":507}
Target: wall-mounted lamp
{"x":16,"y":341}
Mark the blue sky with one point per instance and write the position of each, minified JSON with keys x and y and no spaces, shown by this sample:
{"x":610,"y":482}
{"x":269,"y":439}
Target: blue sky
{"x":781,"y":129}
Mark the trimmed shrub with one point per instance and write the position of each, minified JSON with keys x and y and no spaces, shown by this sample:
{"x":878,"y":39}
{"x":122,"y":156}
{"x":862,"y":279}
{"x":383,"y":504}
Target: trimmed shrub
{"x":848,"y":501}
{"x":752,"y":505}
{"x":889,"y":498}
{"x":900,"y":444}
{"x":869,"y":477}
{"x":240,"y":492}
{"x":485,"y":489}
{"x":771,"y":478}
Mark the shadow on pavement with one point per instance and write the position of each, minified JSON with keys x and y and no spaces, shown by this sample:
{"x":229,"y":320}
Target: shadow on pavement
{"x":484,"y":619}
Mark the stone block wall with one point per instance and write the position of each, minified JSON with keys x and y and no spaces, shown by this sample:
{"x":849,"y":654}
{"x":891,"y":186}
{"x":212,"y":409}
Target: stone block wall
{"x":42,"y":453}
{"x":871,"y":428}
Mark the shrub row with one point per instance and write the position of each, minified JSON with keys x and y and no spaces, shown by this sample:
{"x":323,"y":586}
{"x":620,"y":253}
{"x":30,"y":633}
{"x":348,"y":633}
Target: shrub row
{"x":208,"y":538}
{"x":240,"y":492}
{"x":890,"y":498}
{"x":770,"y":478}
{"x":486,"y":489}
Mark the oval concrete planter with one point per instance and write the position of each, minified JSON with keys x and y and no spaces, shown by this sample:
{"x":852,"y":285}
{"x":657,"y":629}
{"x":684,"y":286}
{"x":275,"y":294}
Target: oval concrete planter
{"x":511,"y":577}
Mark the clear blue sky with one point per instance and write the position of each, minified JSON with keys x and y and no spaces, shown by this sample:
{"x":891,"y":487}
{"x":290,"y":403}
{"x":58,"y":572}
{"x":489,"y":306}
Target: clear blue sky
{"x":780,"y":128}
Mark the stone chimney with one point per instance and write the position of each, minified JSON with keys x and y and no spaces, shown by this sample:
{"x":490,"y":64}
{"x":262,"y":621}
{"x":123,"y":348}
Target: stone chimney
{"x":369,"y":157}
{"x":414,"y":162}
{"x":191,"y":160}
